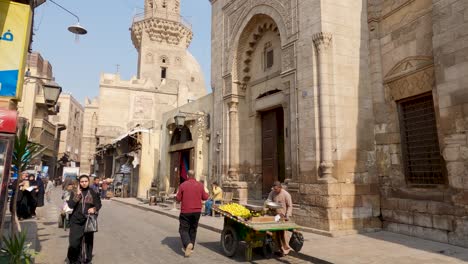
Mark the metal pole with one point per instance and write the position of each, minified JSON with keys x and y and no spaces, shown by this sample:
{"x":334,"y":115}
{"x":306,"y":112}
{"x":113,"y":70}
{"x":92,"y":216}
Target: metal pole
{"x":65,"y":10}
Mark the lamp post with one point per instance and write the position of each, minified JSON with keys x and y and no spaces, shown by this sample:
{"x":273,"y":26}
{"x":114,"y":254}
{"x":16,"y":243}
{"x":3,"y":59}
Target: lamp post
{"x":76,"y":29}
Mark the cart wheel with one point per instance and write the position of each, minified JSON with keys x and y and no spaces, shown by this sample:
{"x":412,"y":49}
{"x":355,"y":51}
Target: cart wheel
{"x":268,"y":248}
{"x":229,"y":241}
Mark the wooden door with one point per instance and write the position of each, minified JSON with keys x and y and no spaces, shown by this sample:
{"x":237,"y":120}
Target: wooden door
{"x":269,"y":150}
{"x":175,"y":169}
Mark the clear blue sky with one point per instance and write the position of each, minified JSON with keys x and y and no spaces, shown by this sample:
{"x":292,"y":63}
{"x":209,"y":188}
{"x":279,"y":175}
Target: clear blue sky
{"x":77,"y":67}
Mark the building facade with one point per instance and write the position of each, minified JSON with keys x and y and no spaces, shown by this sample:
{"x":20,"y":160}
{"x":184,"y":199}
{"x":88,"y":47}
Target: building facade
{"x":357,"y":106}
{"x":129,"y":115}
{"x":418,"y":61}
{"x":71,"y":114}
{"x":186,"y":144}
{"x":36,"y":112}
{"x":88,"y":141}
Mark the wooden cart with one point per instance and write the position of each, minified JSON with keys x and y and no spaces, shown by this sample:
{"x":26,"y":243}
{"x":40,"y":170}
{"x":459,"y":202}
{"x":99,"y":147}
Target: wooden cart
{"x":238,"y":231}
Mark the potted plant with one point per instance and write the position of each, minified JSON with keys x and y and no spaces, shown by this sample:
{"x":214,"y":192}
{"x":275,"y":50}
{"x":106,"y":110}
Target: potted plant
{"x":15,"y":250}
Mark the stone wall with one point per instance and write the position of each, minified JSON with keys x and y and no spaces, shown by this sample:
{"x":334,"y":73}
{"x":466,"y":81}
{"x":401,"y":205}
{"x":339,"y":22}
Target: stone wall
{"x":199,"y":119}
{"x":417,"y":47}
{"x":330,"y":54}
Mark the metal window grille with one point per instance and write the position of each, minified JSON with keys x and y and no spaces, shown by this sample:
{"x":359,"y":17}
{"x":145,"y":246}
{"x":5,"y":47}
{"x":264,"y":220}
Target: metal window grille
{"x":269,"y":59}
{"x":420,"y":145}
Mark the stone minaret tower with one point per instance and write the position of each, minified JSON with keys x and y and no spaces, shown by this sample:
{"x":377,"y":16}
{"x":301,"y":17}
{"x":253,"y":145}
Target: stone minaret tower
{"x":162,"y":37}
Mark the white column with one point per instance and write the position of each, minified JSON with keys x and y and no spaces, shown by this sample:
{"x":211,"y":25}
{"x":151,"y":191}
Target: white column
{"x":322,"y":42}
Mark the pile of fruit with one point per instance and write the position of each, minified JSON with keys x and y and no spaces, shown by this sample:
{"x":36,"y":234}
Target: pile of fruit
{"x":236,"y":210}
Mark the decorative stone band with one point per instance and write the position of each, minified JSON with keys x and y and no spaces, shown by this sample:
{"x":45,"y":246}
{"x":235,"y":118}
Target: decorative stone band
{"x":161,"y":30}
{"x":322,"y":41}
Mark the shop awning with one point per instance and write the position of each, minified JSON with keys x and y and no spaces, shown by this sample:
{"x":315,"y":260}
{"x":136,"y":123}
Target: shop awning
{"x":129,"y":133}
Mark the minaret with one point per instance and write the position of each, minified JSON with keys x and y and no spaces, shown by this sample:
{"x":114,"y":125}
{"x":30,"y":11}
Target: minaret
{"x":161,"y":38}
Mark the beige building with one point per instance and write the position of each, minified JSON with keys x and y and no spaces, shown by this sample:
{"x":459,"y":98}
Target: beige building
{"x":358,"y":106}
{"x":129,"y":116}
{"x":70,"y":114}
{"x":37,"y":111}
{"x":88,"y":140}
{"x":185,"y":144}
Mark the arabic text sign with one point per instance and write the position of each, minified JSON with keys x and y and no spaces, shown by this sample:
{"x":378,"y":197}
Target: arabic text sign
{"x":15,"y":24}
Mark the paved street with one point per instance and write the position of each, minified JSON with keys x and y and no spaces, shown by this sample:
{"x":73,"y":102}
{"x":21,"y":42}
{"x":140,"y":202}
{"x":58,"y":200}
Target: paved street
{"x":130,"y":235}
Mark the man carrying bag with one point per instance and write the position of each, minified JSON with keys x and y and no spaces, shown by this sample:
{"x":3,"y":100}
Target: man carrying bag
{"x":85,"y":204}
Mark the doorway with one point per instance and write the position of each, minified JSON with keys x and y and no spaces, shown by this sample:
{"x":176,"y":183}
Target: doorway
{"x":273,"y":158}
{"x":181,"y":163}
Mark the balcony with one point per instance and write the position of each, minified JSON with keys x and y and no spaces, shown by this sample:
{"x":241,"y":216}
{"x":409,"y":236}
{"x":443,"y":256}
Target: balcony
{"x":167,"y":16}
{"x":43,"y":133}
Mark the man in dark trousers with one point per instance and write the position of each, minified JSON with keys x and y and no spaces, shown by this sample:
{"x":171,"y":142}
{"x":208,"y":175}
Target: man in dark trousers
{"x":190,"y":195}
{"x":84,"y":201}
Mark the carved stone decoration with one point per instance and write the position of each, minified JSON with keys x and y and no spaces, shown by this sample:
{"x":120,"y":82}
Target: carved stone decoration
{"x":288,"y":61}
{"x":161,"y":30}
{"x":176,"y":6}
{"x":149,"y":58}
{"x":237,"y":11}
{"x":322,"y":41}
{"x":408,"y":66}
{"x":228,"y":85}
{"x":254,"y":38}
{"x":411,"y":76}
{"x":417,"y":83}
{"x":201,"y":126}
{"x":164,"y":60}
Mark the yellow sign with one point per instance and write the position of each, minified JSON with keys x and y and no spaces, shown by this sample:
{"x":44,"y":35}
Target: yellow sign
{"x":15,"y":27}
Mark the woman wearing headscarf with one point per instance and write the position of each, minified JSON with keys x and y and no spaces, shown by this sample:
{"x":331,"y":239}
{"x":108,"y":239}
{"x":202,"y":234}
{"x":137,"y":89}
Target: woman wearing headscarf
{"x":32,"y":195}
{"x":84,"y":202}
{"x":40,"y":192}
{"x":22,"y":208}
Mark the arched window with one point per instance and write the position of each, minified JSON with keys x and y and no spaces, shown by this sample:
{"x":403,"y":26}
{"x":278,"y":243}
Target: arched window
{"x":181,"y":135}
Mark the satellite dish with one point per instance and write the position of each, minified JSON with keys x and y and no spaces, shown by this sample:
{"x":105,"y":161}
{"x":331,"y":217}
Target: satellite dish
{"x":77,"y":29}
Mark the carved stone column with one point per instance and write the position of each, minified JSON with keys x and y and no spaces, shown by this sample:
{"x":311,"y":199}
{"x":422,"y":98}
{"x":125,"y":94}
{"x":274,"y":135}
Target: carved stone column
{"x":322,"y":42}
{"x":240,"y":189}
{"x":233,"y":141}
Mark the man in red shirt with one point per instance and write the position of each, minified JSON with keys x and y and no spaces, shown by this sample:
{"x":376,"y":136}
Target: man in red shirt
{"x":190,"y":195}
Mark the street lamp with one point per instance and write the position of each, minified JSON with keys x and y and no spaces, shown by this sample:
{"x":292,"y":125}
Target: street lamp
{"x":76,"y":29}
{"x":51,"y":92}
{"x":179,"y":119}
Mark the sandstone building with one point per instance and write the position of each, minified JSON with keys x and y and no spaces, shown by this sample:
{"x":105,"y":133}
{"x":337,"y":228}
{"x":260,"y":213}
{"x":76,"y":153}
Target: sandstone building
{"x":359,"y":106}
{"x":88,"y":140}
{"x":71,"y":115}
{"x":129,"y":112}
{"x":35,"y":112}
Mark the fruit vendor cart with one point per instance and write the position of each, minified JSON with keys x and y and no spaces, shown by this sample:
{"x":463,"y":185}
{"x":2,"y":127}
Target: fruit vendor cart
{"x":255,"y":232}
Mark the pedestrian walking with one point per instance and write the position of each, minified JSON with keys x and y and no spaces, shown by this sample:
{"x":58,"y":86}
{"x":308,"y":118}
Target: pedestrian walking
{"x":32,"y":195}
{"x":95,"y":185}
{"x":83,"y":202}
{"x":40,"y":191}
{"x":190,"y":195}
{"x":48,"y":190}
